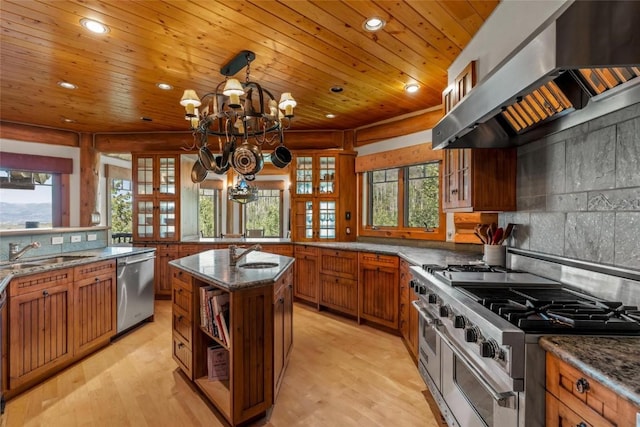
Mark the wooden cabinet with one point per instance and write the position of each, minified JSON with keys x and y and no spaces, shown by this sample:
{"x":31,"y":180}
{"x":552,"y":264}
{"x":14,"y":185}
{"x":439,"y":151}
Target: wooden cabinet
{"x":94,"y":292}
{"x":305,"y":285}
{"x":282,"y":328}
{"x":379,"y":295}
{"x":164,"y":253}
{"x":575,"y":399}
{"x":323,"y":196}
{"x":40,"y":325}
{"x":156,"y":197}
{"x":284,"y":249}
{"x":408,"y":314}
{"x":249,"y":391}
{"x":339,"y":280}
{"x":482,"y":179}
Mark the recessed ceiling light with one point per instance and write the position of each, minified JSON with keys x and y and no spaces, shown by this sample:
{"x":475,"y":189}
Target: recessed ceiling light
{"x":67,"y":120}
{"x":330,"y":116}
{"x":336,"y":89}
{"x":411,"y":88}
{"x":164,"y":86}
{"x":67,"y":85}
{"x":94,"y":26}
{"x":373,"y":24}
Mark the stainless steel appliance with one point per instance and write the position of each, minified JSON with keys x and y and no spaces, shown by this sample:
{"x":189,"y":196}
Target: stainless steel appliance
{"x":479,"y":328}
{"x":3,"y":300}
{"x":135,"y":290}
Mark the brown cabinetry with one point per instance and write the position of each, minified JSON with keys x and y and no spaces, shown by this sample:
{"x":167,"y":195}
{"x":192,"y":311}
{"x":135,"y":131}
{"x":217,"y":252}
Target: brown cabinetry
{"x":282,"y":328}
{"x":284,"y":250}
{"x":305,"y":285}
{"x":575,"y":399}
{"x":323,"y":196}
{"x":94,"y":317}
{"x":379,"y":295}
{"x":258,"y":319}
{"x":339,"y":280}
{"x":408,"y":314}
{"x":165,"y":252}
{"x":40,"y":325}
{"x":156,"y":197}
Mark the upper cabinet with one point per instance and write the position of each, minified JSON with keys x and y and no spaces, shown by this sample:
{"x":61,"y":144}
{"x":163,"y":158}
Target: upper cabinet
{"x":323,"y":196}
{"x":315,"y":175}
{"x":156,"y":190}
{"x":478,"y":179}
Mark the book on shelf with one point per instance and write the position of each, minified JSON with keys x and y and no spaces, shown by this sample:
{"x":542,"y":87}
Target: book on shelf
{"x":214,"y":312}
{"x":217,"y":363}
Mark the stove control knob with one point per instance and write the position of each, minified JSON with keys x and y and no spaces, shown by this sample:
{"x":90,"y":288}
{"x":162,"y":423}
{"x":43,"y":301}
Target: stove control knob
{"x":432,"y":298}
{"x":444,"y":311}
{"x":422,"y":289}
{"x":412,"y":284}
{"x":459,"y":322}
{"x":488,"y":348}
{"x":471,"y":335}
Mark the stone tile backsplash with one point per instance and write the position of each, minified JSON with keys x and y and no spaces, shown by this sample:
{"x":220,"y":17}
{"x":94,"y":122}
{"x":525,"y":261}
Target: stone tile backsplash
{"x":47,"y":248}
{"x":578,"y":192}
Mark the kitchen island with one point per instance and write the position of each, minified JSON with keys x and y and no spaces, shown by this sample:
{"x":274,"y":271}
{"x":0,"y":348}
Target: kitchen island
{"x":232,"y":327}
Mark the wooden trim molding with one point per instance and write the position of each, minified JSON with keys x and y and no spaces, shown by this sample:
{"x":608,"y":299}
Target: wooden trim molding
{"x":399,"y":127}
{"x":212,"y":184}
{"x":30,"y":133}
{"x":31,"y":163}
{"x":415,"y":154}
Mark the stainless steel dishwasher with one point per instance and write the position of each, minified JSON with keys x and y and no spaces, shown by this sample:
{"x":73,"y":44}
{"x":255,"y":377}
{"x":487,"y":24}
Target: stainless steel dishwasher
{"x":135,"y":289}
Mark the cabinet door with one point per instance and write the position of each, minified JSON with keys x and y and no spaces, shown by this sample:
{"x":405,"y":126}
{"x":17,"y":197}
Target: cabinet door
{"x":306,"y":282}
{"x":327,"y":172}
{"x":95,"y":305}
{"x":339,"y":293}
{"x":379,"y":294}
{"x":144,"y":182}
{"x":304,"y":176}
{"x":144,"y":213}
{"x":404,"y":300}
{"x":288,"y":317}
{"x":40,"y":333}
{"x":164,"y":254}
{"x":278,"y":338}
{"x":327,"y":220}
{"x":304,"y":215}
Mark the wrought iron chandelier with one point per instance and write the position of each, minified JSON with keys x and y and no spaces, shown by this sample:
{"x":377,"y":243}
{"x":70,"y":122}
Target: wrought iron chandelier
{"x":243,"y":116}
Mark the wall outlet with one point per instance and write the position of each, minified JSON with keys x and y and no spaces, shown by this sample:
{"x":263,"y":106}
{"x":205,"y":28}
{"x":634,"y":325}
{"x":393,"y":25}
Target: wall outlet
{"x":91,"y":237}
{"x":57,"y":240}
{"x":76,"y":239}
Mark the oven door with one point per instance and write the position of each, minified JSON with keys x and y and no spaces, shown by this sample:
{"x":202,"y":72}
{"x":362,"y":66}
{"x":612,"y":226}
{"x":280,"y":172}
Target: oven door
{"x":428,"y":346}
{"x":473,"y":399}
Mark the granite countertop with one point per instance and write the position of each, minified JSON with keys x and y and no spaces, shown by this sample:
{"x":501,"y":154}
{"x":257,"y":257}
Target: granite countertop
{"x":612,"y":361}
{"x":251,"y":240}
{"x":84,"y":257}
{"x":213,"y":266}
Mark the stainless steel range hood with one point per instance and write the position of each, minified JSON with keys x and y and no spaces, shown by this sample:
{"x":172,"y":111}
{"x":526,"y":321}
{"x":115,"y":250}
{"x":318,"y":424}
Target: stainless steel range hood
{"x":583,"y":65}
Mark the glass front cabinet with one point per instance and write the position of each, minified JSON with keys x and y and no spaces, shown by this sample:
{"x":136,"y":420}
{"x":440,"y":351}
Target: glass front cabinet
{"x":156,"y":197}
{"x":315,"y":175}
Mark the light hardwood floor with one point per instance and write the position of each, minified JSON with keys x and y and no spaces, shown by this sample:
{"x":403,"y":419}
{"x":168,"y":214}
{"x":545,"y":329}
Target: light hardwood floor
{"x":340,"y":374}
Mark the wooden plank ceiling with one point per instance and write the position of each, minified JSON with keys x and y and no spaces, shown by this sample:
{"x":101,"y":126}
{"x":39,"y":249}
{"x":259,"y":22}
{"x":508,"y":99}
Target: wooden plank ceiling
{"x":302,"y":47}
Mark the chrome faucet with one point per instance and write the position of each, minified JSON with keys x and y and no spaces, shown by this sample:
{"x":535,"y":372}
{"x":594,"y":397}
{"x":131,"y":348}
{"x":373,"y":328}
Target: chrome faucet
{"x":234,"y":258}
{"x":15,"y":253}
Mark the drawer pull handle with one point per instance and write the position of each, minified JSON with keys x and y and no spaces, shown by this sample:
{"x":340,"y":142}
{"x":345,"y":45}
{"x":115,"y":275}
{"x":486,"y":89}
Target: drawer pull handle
{"x":582,"y":385}
{"x":45,"y":293}
{"x":180,"y":318}
{"x":180,"y":345}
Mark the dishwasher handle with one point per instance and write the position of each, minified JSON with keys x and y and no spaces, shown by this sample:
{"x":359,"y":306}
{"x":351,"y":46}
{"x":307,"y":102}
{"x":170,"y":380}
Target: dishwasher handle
{"x":126,"y":261}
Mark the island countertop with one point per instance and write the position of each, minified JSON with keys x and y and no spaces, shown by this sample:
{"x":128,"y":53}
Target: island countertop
{"x":213,"y":266}
{"x":612,"y":361}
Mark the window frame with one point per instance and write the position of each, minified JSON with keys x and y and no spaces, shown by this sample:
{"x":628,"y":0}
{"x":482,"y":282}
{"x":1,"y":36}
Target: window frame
{"x":401,"y":231}
{"x":216,"y":186}
{"x":267,"y":185}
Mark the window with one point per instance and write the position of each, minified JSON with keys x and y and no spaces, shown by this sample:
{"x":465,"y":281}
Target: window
{"x":403,"y":198}
{"x":265,"y":213}
{"x":209,"y":212}
{"x":26,"y":199}
{"x":121,"y":210}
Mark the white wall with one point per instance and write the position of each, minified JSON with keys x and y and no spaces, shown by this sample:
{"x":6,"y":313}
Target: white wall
{"x":38,"y":149}
{"x":512,"y":23}
{"x":103,"y":190}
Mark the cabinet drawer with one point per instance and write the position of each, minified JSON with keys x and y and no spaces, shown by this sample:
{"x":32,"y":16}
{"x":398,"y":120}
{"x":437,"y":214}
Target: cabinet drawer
{"x":183,"y":356}
{"x":595,"y":403}
{"x":182,"y":298}
{"x":182,"y":326}
{"x":339,"y":263}
{"x":558,"y":414}
{"x":285,"y":250}
{"x":379,"y":260}
{"x":301,"y":250}
{"x":39,"y":281}
{"x":339,"y":293}
{"x":94,"y":270}
{"x":181,"y":278}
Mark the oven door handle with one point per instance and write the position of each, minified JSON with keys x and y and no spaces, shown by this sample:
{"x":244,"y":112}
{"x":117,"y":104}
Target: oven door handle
{"x":428,"y":318}
{"x":505,"y":399}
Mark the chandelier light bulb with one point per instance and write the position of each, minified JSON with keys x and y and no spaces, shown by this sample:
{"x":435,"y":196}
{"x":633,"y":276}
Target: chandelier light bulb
{"x":190,"y":101}
{"x":233,"y":89}
{"x":287,"y":103}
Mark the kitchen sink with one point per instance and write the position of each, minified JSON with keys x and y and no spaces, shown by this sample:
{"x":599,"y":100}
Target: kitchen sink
{"x":41,"y":262}
{"x":257,"y":265}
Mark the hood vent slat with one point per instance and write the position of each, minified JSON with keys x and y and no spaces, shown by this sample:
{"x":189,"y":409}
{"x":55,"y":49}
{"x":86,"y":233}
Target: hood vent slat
{"x":544,"y":102}
{"x":600,"y":80}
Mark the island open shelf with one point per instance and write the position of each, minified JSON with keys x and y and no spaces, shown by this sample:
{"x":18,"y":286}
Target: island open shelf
{"x":239,"y":315}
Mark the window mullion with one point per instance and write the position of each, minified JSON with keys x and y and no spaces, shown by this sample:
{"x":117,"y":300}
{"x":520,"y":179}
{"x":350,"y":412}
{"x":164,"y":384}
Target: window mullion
{"x":403,"y":191}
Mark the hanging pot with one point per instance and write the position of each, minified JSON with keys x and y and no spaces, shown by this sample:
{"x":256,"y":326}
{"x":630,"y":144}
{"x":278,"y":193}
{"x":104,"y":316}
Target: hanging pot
{"x":221,"y":165}
{"x":281,"y":157}
{"x":198,"y":172}
{"x":206,"y":157}
{"x":247,"y":159}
